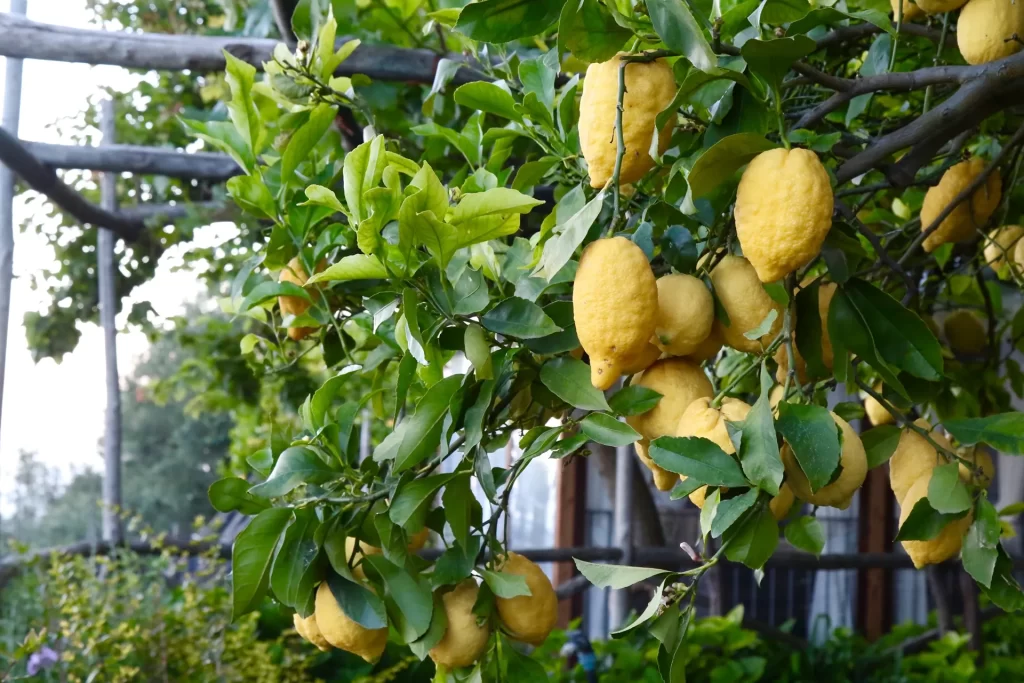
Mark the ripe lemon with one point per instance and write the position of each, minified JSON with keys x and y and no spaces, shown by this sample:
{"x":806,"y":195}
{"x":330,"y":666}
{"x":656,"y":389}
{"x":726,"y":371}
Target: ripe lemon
{"x":745,"y":302}
{"x":528,"y":618}
{"x":942,"y":547}
{"x":710,"y":347}
{"x":295,"y":305}
{"x":939,"y":6}
{"x":680,"y":382}
{"x":838,"y":494}
{"x":783,"y":211}
{"x":999,"y":248}
{"x":650,"y":88}
{"x":307,"y":628}
{"x":686,"y":312}
{"x":990,"y":29}
{"x":465,"y":639}
{"x":913,"y":459}
{"x":983,"y":468}
{"x":701,"y":419}
{"x":910,"y":10}
{"x":781,"y":504}
{"x":968,"y":216}
{"x":641,"y":361}
{"x":344,"y":633}
{"x":615,"y":307}
{"x":663,"y":479}
{"x":825,"y":293}
{"x":876,"y":412}
{"x":415,"y":544}
{"x":965,"y":332}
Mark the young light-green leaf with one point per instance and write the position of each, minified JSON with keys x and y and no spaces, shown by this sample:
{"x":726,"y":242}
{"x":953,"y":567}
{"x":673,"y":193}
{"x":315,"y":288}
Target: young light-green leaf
{"x":807,"y":534}
{"x":615,"y":576}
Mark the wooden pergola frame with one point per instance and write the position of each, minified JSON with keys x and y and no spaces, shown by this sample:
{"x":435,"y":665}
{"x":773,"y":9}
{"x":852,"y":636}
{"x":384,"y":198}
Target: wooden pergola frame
{"x":36,"y":164}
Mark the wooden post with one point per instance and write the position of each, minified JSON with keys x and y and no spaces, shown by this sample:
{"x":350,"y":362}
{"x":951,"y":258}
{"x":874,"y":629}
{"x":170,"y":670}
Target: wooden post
{"x":570,"y":529}
{"x":107,"y":271}
{"x":10,"y":121}
{"x":874,"y":586}
{"x":972,"y":615}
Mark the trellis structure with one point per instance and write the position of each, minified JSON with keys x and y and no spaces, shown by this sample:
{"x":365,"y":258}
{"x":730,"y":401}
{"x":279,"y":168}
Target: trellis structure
{"x":36,"y":164}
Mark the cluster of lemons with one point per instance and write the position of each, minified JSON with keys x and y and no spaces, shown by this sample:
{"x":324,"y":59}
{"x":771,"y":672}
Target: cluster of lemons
{"x":527,"y":618}
{"x":986,"y":31}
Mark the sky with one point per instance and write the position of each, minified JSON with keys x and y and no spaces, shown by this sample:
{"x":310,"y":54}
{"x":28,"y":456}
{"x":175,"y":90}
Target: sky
{"x":57,"y":410}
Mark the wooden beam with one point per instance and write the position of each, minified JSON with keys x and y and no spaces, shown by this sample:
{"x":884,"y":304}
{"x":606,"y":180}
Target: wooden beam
{"x":570,"y":529}
{"x":136,"y":159}
{"x":26,"y":39}
{"x":875,"y":535}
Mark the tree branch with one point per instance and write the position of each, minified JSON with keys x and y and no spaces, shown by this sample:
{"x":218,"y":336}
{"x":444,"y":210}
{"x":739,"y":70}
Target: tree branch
{"x":135,"y":159}
{"x":880,"y":251}
{"x":848,"y":33}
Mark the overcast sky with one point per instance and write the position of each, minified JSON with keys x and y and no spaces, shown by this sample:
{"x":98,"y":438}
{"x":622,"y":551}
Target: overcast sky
{"x":57,"y":410}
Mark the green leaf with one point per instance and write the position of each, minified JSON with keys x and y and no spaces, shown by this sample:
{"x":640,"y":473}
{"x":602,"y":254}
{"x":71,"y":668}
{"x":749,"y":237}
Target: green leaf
{"x":362,"y":171}
{"x":251,"y":556}
{"x":358,"y":603}
{"x":265,"y":291}
{"x":538,"y":77}
{"x":502,"y":21}
{"x":924,"y":522}
{"x":496,"y":204}
{"x":322,"y":398}
{"x":438,"y":627}
{"x":519,"y":318}
{"x":754,"y":541}
{"x":615,"y":576}
{"x":569,"y":236}
{"x":880,"y":443}
{"x":532,"y":172}
{"x":290,"y":577}
{"x":814,"y":437}
{"x":730,"y":510}
{"x":520,"y":667}
{"x":806,"y":533}
{"x":304,"y":140}
{"x":569,"y":380}
{"x":353,"y":267}
{"x":589,"y":32}
{"x":981,"y":543}
{"x":412,"y":499}
{"x":242,"y":108}
{"x":232,"y":493}
{"x":833,"y":16}
{"x":720,"y":162}
{"x":1004,"y":590}
{"x":808,"y":330}
{"x":252,"y":195}
{"x":603,"y":428}
{"x":488,"y":97}
{"x":697,"y":458}
{"x":318,"y":195}
{"x":947,"y":493}
{"x":684,"y":488}
{"x":478,"y":351}
{"x":418,"y":435}
{"x":458,"y":501}
{"x":759,"y":447}
{"x":764,"y":327}
{"x":409,"y":598}
{"x":505,"y":585}
{"x":633,"y":400}
{"x":1004,"y":432}
{"x":675,"y":24}
{"x":295,"y":466}
{"x":772,"y":59}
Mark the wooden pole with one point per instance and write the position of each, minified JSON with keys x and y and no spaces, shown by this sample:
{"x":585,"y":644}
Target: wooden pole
{"x":874,"y":585}
{"x":107,"y":271}
{"x":570,"y":529}
{"x":10,"y":121}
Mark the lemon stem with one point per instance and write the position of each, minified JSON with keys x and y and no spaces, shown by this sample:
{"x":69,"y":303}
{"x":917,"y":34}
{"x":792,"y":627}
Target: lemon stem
{"x":620,"y":150}
{"x":787,"y":331}
{"x":935,"y":62}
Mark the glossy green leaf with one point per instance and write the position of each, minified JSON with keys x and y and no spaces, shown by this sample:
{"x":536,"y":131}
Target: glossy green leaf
{"x":487,"y":97}
{"x":362,"y":171}
{"x":813,"y":436}
{"x":924,"y":522}
{"x":304,"y":139}
{"x":519,"y":318}
{"x":589,"y":32}
{"x":758,"y":446}
{"x":753,"y":541}
{"x":478,"y":351}
{"x":505,"y":585}
{"x":412,"y":498}
{"x":719,"y":163}
{"x":675,"y":24}
{"x":358,"y":603}
{"x":947,"y":493}
{"x":418,"y":435}
{"x":699,"y":459}
{"x":981,"y":543}
{"x":502,"y":21}
{"x":295,"y":466}
{"x":569,"y":380}
{"x":251,"y":556}
{"x":569,"y":236}
{"x":772,"y":59}
{"x":232,"y":493}
{"x":290,"y":577}
{"x":615,"y":576}
{"x":633,"y":400}
{"x":409,"y":600}
{"x":806,"y":533}
{"x":1004,"y":432}
{"x":605,"y":429}
{"x":880,"y":443}
{"x":730,"y":510}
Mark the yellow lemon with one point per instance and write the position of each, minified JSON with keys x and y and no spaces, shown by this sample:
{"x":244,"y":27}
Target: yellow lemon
{"x":308,"y":629}
{"x":783,"y":211}
{"x":876,"y":412}
{"x":942,"y":547}
{"x":415,"y":544}
{"x":965,"y":332}
{"x":782,"y":358}
{"x":745,"y":302}
{"x":650,"y":88}
{"x":939,"y":6}
{"x":680,"y":382}
{"x":686,"y":312}
{"x":781,"y":504}
{"x":702,"y":420}
{"x":913,"y":459}
{"x":643,"y":360}
{"x":990,"y":29}
{"x":663,"y":479}
{"x":465,"y":639}
{"x":343,"y":632}
{"x":528,"y":618}
{"x":615,"y":307}
{"x":910,"y":10}
{"x":838,"y":494}
{"x":968,"y":216}
{"x":711,"y":345}
{"x":999,"y":248}
{"x":983,"y":468}
{"x":295,"y":305}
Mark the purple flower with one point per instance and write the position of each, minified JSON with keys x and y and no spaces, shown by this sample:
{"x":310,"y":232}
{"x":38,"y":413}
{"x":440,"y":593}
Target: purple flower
{"x":43,"y":659}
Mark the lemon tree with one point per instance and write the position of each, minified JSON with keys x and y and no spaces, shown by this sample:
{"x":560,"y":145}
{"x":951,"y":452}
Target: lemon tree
{"x":673,"y":225}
